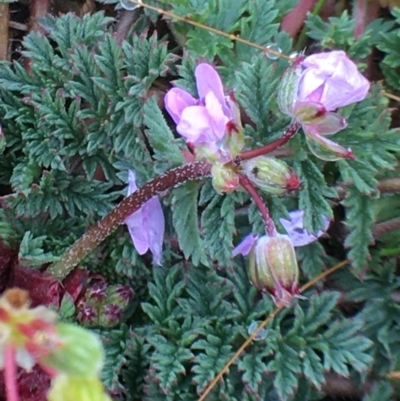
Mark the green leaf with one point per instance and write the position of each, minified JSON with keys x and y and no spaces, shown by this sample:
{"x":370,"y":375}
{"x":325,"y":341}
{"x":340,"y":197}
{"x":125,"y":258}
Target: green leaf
{"x":311,"y":200}
{"x":185,"y":220}
{"x":218,"y":223}
{"x":312,"y":259}
{"x":253,"y":369}
{"x":359,"y":220}
{"x":169,"y":361}
{"x":343,"y":347}
{"x":31,"y":251}
{"x":161,"y":139}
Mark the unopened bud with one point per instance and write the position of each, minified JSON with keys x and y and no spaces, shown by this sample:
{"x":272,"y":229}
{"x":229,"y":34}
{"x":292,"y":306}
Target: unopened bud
{"x":224,"y":179}
{"x":80,"y":353}
{"x":273,"y":268}
{"x":271,"y":175}
{"x":67,"y":388}
{"x":289,"y":87}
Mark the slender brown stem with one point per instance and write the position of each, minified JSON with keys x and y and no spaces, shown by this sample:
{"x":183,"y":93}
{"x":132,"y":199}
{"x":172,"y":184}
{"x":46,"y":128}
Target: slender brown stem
{"x":4,"y":25}
{"x":125,"y":22}
{"x":102,"y":229}
{"x":249,"y":187}
{"x":262,"y":325}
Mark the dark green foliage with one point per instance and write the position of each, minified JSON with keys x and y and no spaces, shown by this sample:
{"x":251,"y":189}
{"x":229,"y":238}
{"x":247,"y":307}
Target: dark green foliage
{"x":312,"y":192}
{"x":90,"y":107}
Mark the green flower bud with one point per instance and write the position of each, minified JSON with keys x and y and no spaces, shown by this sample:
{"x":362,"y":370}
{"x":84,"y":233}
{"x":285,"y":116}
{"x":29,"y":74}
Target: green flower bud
{"x":224,"y":179}
{"x":271,"y":175}
{"x":273,"y":268}
{"x":67,"y":388}
{"x":288,"y":88}
{"x":80,"y":353}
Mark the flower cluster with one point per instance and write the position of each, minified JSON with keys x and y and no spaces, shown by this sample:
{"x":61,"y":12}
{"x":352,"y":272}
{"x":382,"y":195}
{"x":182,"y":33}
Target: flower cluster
{"x":310,"y":91}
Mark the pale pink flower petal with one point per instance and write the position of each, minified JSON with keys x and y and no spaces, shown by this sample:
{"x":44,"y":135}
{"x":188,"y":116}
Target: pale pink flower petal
{"x":176,"y":100}
{"x":296,"y":231}
{"x":332,"y":79}
{"x":208,"y":80}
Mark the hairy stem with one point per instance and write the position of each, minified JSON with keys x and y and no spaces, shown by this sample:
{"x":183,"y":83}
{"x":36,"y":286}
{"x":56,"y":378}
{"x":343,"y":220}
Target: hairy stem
{"x":249,"y":187}
{"x":10,"y":373}
{"x":101,"y":230}
{"x":287,"y":135}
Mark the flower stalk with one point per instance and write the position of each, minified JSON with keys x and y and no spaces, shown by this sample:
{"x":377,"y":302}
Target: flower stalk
{"x":102,"y":229}
{"x":249,"y":187}
{"x":286,"y":137}
{"x":10,"y":373}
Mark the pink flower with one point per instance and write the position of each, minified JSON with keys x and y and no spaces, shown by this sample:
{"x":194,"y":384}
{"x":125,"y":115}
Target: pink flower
{"x":312,"y":88}
{"x":332,"y":80}
{"x":208,"y":120}
{"x":146,"y":226}
{"x":295,"y":230}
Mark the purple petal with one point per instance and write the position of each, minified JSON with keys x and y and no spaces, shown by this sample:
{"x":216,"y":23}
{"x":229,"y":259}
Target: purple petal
{"x":176,"y":100}
{"x":154,"y":225}
{"x":137,"y":232}
{"x":296,"y":231}
{"x":209,"y":81}
{"x":146,"y":226}
{"x":245,"y":246}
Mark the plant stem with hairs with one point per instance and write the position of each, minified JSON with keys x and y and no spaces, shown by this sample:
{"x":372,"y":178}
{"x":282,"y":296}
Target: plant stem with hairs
{"x":96,"y":234}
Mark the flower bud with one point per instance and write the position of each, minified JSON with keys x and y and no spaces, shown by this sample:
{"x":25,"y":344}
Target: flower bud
{"x":224,"y":179}
{"x":80,"y":353}
{"x":271,"y":175}
{"x":67,"y":388}
{"x":273,"y":268}
{"x":288,"y":88}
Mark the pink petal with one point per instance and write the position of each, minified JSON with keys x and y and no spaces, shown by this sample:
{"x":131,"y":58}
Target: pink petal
{"x":325,"y":149}
{"x":330,"y":124}
{"x":195,"y":124}
{"x":208,"y":80}
{"x":218,"y":119}
{"x":176,"y":100}
{"x":245,"y":246}
{"x":332,"y":79}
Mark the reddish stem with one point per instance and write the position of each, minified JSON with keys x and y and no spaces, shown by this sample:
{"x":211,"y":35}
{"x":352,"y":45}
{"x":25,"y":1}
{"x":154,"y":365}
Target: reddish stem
{"x":10,"y":373}
{"x":294,"y":20}
{"x":287,"y":135}
{"x":102,"y":229}
{"x":249,"y":187}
